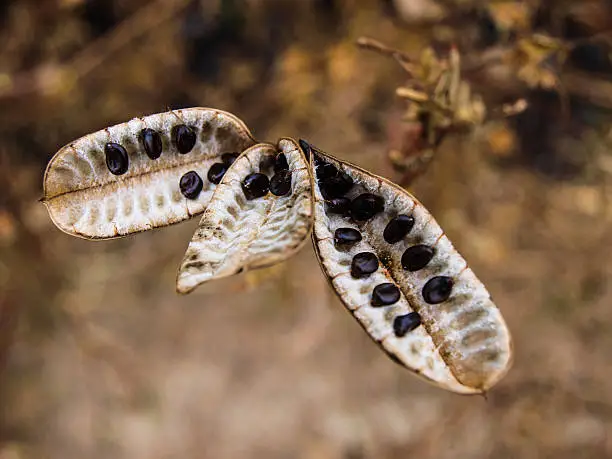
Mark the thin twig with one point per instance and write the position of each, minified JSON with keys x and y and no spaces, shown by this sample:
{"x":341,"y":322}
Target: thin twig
{"x":402,"y":58}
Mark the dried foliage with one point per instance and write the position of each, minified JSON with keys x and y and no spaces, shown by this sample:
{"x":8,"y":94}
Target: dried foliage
{"x":438,"y":101}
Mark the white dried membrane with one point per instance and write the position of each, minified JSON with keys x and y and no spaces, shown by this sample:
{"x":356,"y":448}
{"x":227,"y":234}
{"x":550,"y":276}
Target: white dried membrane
{"x":462,"y":344}
{"x":85,"y":199}
{"x":237,"y":234}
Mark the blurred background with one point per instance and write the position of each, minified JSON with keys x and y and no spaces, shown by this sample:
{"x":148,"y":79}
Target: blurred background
{"x":100,"y":358}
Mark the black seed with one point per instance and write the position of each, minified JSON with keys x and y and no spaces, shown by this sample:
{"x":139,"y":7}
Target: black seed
{"x":406,"y":323}
{"x":417,"y":257}
{"x":184,"y":138}
{"x":151,"y":142}
{"x":365,"y":206}
{"x":280,"y":163}
{"x":216,"y":172}
{"x":398,"y":228}
{"x":255,"y":185}
{"x":326,"y":170}
{"x":116,"y":158}
{"x":280,"y":184}
{"x":335,"y":187}
{"x":364,"y":264}
{"x":229,"y":158}
{"x":191,"y":185}
{"x":347,"y":236}
{"x":338,"y":206}
{"x":437,"y":289}
{"x":385,"y":294}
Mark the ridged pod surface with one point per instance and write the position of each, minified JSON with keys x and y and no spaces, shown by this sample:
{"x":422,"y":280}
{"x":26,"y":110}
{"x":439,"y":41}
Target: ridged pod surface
{"x":84,"y":198}
{"x":429,"y":312}
{"x":236,"y":233}
{"x":382,"y":251}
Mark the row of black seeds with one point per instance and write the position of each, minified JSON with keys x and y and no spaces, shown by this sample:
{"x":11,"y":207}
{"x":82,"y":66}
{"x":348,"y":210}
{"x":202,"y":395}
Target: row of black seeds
{"x":333,"y":185}
{"x":385,"y":294}
{"x":437,"y":289}
{"x":191,"y":184}
{"x":257,"y":185}
{"x":184,"y":138}
{"x":117,"y":161}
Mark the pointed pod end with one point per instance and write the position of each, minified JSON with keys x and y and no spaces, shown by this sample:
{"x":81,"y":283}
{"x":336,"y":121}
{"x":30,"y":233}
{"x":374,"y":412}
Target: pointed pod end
{"x":305,"y":146}
{"x":310,"y":151}
{"x":183,"y":292}
{"x":183,"y":287}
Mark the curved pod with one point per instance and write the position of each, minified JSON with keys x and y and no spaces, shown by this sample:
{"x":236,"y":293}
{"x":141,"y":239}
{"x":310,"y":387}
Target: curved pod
{"x":126,"y":178}
{"x":248,"y":228}
{"x":404,"y":281}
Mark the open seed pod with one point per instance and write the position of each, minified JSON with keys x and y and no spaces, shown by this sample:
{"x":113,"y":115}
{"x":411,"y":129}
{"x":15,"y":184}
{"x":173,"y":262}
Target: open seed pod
{"x":401,"y":278}
{"x":148,"y":172}
{"x":259,"y":215}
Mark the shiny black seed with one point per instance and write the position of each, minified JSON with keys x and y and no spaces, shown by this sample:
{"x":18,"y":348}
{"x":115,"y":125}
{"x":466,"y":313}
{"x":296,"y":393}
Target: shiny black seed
{"x":406,"y":323}
{"x":191,"y":185}
{"x":417,"y":257}
{"x":385,"y":294}
{"x":280,"y":183}
{"x":255,"y":185}
{"x":339,"y":206}
{"x":151,"y":142}
{"x":365,"y":206}
{"x":229,"y":158}
{"x":216,"y":172}
{"x":336,"y":187}
{"x":326,"y":170}
{"x":437,"y":289}
{"x":184,"y":138}
{"x":347,"y":236}
{"x":280,"y":163}
{"x":116,"y":158}
{"x":397,"y":228}
{"x":364,"y":264}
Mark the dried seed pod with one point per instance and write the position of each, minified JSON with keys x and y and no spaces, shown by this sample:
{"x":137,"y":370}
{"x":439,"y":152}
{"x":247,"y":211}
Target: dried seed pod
{"x":444,"y":325}
{"x":87,"y":199}
{"x":239,"y":232}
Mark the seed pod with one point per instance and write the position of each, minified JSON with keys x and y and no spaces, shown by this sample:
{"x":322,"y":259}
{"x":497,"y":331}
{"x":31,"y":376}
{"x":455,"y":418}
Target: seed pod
{"x":239,"y":232}
{"x":444,"y":325}
{"x":84,"y":198}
